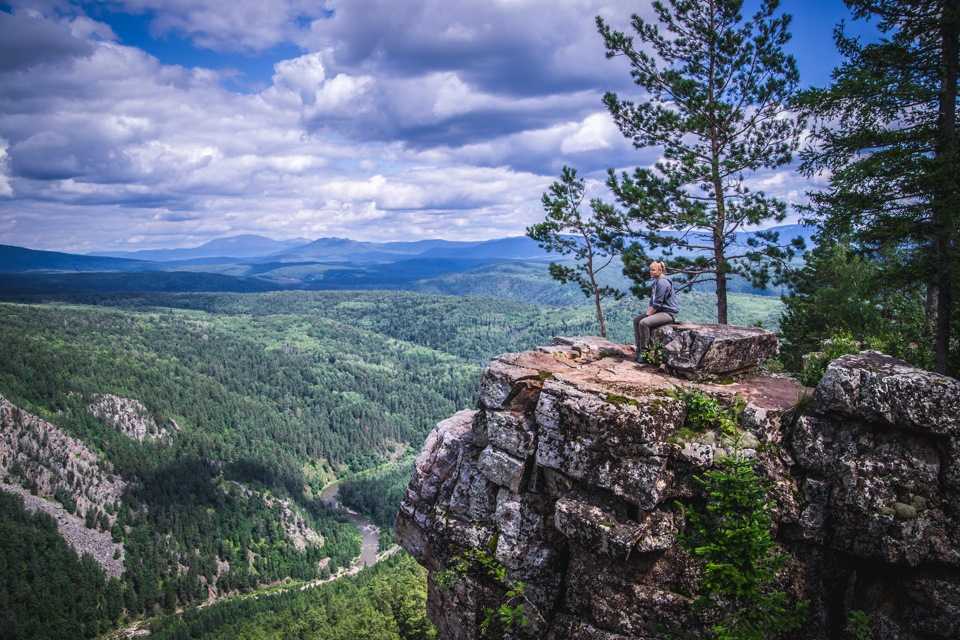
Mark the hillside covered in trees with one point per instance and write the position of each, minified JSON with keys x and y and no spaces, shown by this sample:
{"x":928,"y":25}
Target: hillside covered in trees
{"x":274,"y":395}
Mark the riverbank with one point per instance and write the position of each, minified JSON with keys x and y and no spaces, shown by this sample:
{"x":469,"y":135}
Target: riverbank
{"x":369,"y":556}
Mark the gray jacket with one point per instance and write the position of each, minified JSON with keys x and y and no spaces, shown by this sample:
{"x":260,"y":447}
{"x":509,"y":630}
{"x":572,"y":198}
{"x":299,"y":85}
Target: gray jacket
{"x":663,"y":297}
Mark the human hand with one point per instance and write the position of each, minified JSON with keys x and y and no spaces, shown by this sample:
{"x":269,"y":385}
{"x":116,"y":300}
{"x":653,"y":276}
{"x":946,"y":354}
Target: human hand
{"x":650,"y":311}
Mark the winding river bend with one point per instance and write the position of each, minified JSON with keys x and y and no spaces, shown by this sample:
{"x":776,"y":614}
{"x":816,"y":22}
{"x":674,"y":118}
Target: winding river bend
{"x":369,"y":532}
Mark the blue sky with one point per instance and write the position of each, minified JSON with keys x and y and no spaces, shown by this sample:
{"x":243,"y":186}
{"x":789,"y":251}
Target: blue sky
{"x":129,"y":124}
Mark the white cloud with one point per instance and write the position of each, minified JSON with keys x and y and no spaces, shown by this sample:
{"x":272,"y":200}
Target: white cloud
{"x":6,"y":189}
{"x":397,"y":121}
{"x":244,"y":25}
{"x":597,"y":131}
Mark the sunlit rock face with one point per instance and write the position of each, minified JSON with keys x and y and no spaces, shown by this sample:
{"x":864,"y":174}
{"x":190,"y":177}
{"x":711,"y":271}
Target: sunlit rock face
{"x":569,"y":472}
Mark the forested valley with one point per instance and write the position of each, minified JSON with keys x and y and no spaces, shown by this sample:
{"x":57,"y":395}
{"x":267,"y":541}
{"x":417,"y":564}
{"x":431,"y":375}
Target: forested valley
{"x":275,"y":395}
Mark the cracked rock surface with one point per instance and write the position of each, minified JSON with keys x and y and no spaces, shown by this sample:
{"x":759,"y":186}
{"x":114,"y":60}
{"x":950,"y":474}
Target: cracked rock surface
{"x":569,"y":472}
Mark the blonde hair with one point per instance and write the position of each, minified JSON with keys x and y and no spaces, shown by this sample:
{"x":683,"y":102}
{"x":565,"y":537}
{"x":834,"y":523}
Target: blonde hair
{"x":661,"y":265}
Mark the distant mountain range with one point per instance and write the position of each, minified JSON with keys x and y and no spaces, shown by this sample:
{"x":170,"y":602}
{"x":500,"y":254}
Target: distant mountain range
{"x":242,"y":246}
{"x":18,"y":259}
{"x":360,"y":252}
{"x":342,"y":249}
{"x":509,"y":267}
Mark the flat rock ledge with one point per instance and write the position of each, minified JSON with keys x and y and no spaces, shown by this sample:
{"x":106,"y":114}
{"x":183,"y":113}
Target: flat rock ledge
{"x":711,"y":351}
{"x":571,"y":465}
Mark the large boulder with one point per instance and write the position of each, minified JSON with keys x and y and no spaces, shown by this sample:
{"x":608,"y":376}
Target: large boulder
{"x":884,"y":389}
{"x":704,"y":351}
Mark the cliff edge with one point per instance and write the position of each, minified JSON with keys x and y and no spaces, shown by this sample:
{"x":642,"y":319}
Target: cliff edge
{"x":569,"y":473}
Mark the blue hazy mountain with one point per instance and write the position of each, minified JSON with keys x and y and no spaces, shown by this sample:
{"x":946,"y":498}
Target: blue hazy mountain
{"x":506,"y":267}
{"x":356,"y":251}
{"x":242,"y":246}
{"x":515,"y":248}
{"x":18,"y":259}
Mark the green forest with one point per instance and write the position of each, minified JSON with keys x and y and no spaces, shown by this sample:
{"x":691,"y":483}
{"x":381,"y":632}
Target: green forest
{"x":282,"y":392}
{"x":385,"y":602}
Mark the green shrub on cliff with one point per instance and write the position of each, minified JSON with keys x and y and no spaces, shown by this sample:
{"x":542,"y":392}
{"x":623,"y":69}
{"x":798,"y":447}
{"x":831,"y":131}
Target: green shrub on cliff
{"x":704,"y":412}
{"x":815,"y":364}
{"x":512,"y":616}
{"x":731,"y":532}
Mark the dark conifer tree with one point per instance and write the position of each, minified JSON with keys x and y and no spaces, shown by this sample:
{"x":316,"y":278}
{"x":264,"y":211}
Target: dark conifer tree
{"x":885,"y":131}
{"x":717,"y":89}
{"x":590,"y":239}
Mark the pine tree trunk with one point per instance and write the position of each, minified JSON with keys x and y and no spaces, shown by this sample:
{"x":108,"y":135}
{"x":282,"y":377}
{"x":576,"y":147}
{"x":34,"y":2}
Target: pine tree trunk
{"x":594,"y":286}
{"x":719,"y":258}
{"x":946,"y":200}
{"x":719,"y":222}
{"x":600,"y":318}
{"x":721,"y":288}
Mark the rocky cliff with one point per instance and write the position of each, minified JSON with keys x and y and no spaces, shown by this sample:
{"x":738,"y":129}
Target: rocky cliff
{"x":571,"y":470}
{"x":61,"y":476}
{"x":131,"y":418}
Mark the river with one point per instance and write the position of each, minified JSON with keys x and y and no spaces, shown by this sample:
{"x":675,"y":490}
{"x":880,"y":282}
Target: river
{"x":369,"y":532}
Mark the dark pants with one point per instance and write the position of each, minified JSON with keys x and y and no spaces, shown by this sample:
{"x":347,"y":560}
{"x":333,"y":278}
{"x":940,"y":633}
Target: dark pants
{"x":643,"y":326}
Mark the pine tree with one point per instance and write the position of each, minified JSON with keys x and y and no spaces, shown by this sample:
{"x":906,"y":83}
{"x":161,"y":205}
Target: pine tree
{"x":588,"y":238}
{"x":885,"y":131}
{"x":717,"y":90}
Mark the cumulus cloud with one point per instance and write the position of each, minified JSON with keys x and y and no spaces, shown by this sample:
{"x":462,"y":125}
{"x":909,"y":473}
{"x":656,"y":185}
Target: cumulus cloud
{"x":534,"y":47}
{"x":397,"y":120}
{"x":28,"y":40}
{"x":245,"y":25}
{"x":111,"y":148}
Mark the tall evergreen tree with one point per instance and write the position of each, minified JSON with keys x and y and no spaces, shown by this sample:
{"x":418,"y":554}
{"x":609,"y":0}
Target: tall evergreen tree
{"x":717,"y":90}
{"x":886,"y":132}
{"x":590,"y":239}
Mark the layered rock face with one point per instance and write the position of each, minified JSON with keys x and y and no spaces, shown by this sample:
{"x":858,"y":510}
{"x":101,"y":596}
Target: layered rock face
{"x":570,"y":469}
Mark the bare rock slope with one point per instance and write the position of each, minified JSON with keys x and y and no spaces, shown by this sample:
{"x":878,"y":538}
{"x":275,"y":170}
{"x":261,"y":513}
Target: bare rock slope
{"x":47,"y":468}
{"x":130,"y":417}
{"x":569,"y":468}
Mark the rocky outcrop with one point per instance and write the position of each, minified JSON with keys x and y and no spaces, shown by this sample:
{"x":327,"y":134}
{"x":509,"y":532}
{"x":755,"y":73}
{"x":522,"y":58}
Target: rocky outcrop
{"x":878,"y":467}
{"x":568,"y":471}
{"x":130,"y":417}
{"x":61,"y":476}
{"x":711,"y":351}
{"x":295,"y":526}
{"x":99,"y":544}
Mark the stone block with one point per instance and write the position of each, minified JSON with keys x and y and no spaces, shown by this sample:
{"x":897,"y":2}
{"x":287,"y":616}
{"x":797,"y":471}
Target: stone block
{"x":502,"y":382}
{"x":592,"y":527}
{"x":614,"y":443}
{"x":704,"y":351}
{"x":631,"y":598}
{"x":510,"y":431}
{"x":474,"y":496}
{"x":526,"y":540}
{"x":877,"y":387}
{"x":501,"y":468}
{"x":436,"y":465}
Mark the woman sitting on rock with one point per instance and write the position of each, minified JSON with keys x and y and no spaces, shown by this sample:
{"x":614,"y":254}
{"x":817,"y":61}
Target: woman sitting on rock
{"x":662,"y":310}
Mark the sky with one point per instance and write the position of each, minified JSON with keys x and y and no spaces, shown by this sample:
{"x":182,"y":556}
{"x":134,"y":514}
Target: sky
{"x":140,"y":124}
